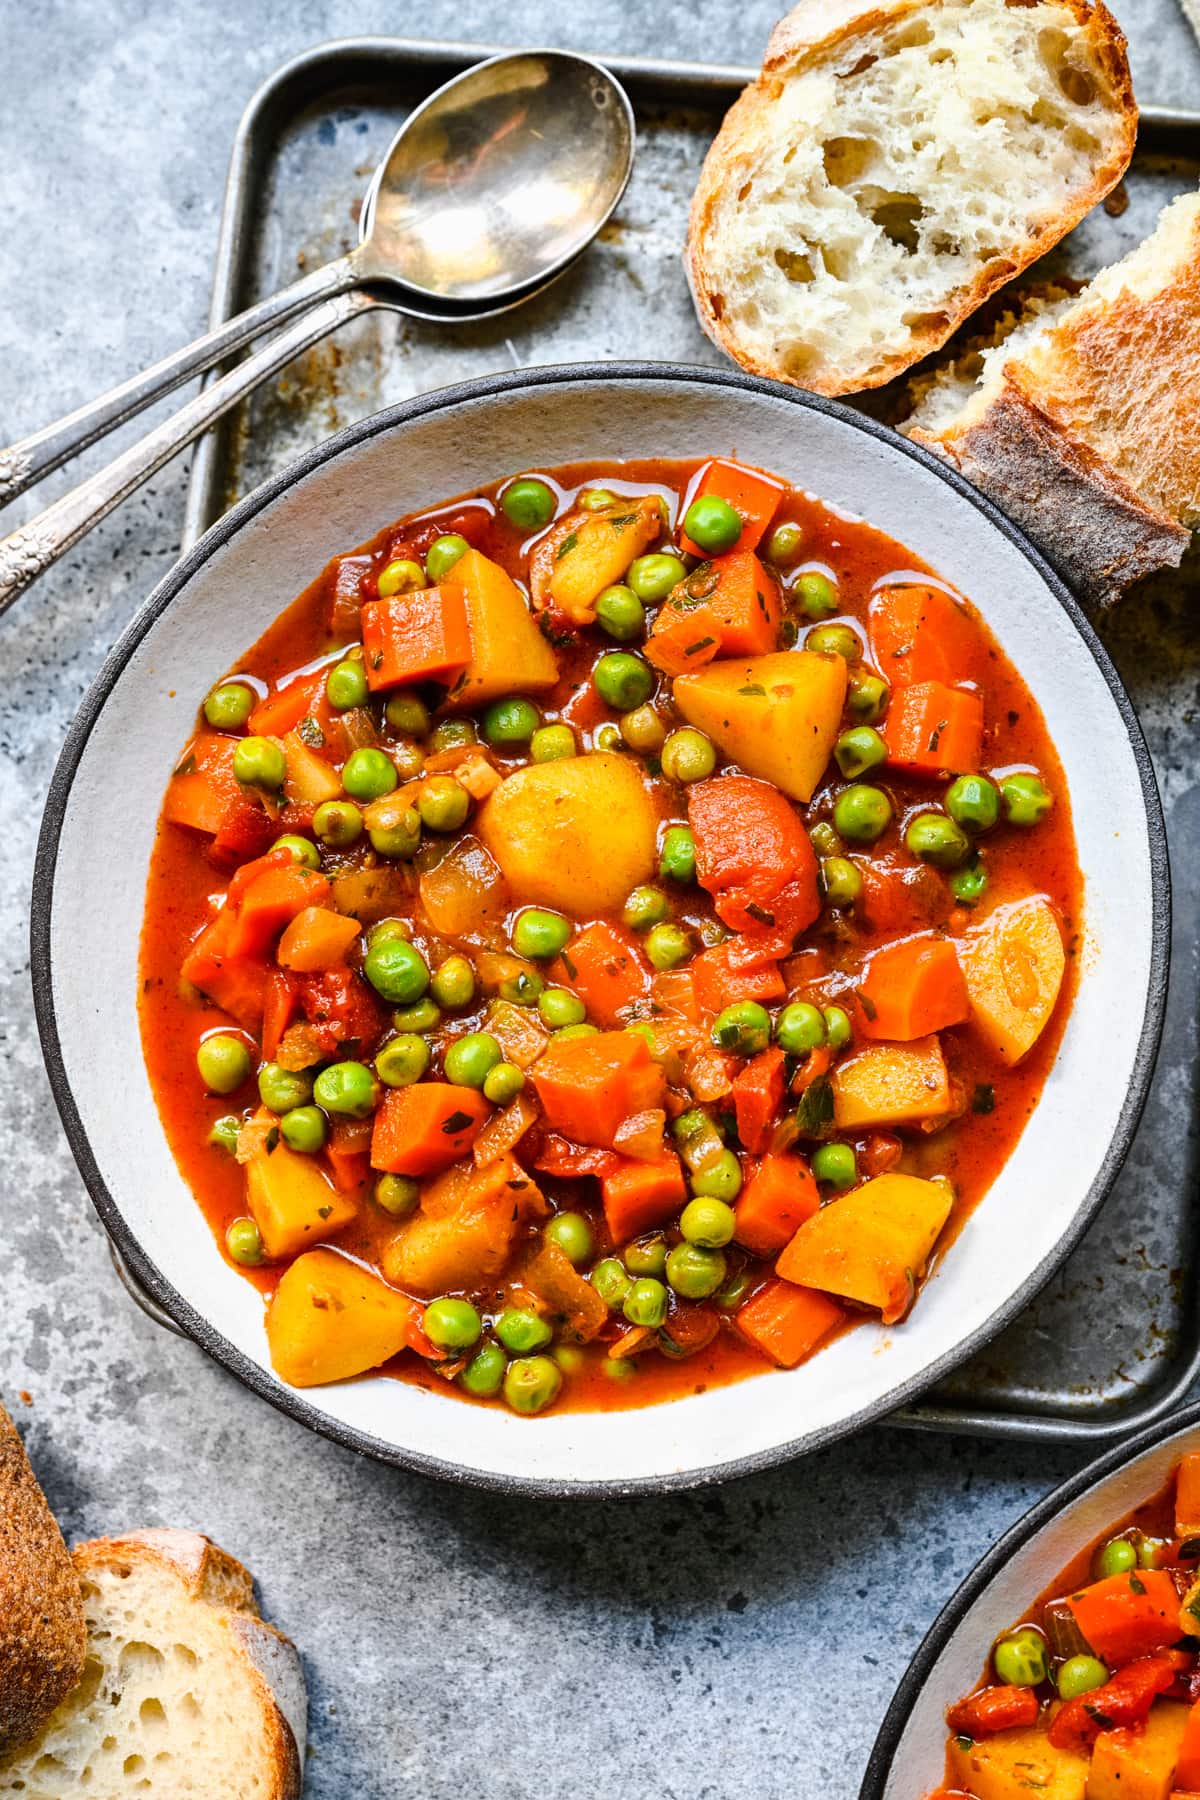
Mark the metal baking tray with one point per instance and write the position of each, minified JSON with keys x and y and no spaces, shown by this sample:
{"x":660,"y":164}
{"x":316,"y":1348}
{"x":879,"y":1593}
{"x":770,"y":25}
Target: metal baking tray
{"x":1114,"y":1340}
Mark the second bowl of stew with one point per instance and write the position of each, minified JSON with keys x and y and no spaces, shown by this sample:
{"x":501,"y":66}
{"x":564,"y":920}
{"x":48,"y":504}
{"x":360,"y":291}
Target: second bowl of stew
{"x":626,"y":877}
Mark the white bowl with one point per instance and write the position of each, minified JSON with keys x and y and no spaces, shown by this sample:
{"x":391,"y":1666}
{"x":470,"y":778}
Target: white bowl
{"x":99,"y":830}
{"x":909,"y":1756}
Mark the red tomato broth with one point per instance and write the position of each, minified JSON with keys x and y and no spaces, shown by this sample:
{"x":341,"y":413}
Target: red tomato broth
{"x":316,"y":628}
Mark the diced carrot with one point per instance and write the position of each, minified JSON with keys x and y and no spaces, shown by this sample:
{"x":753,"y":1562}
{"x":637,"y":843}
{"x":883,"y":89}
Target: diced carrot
{"x":754,"y":495}
{"x":606,"y":968}
{"x":774,"y":1203}
{"x":237,"y":984}
{"x":738,"y":969}
{"x":732,"y":594}
{"x":897,"y":900}
{"x":1187,"y":1496}
{"x":786,"y":1322}
{"x":993,"y":1709}
{"x":249,"y":872}
{"x":279,"y":1004}
{"x":283,"y":710}
{"x":754,"y":857}
{"x":640,"y":1195}
{"x":674,"y":991}
{"x":415,"y":637}
{"x":349,"y":1153}
{"x":932,"y":729}
{"x":424,"y":1128}
{"x":1129,"y":1615}
{"x":270,"y":901}
{"x":912,"y":988}
{"x":684,"y":638}
{"x":757,"y":1097}
{"x":587,"y":1086}
{"x":1187,"y":1768}
{"x":317,"y":938}
{"x":920,"y":634}
{"x":558,"y":1157}
{"x":205,"y":795}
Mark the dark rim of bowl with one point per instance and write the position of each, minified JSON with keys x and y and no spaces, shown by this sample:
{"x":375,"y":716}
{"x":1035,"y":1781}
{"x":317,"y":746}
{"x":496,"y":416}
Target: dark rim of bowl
{"x":883,"y":1752}
{"x":288,"y":1400}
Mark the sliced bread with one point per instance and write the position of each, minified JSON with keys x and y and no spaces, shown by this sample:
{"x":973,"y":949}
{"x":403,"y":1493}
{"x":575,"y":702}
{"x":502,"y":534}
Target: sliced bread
{"x":41,"y":1608}
{"x":1083,"y":421}
{"x":895,"y":163}
{"x":185,"y":1693}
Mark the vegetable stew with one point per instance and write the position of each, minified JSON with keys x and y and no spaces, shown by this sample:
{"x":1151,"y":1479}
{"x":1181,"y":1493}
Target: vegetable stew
{"x":604,"y":938}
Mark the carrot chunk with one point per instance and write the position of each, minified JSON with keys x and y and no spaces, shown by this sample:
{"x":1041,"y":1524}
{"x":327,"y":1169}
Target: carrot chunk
{"x":684,"y":638}
{"x":424,"y":1128}
{"x":317,"y":938}
{"x":738,"y":969}
{"x":932,"y":729}
{"x":281,"y":711}
{"x":640,"y":1195}
{"x":1187,"y":1768}
{"x":205,"y":795}
{"x":993,"y":1709}
{"x":751,"y":494}
{"x":754,"y":857}
{"x":918,"y":634}
{"x":732,"y":597}
{"x":237,"y":984}
{"x":757,"y":1097}
{"x":1129,"y":1615}
{"x":416,"y":637}
{"x":280,"y":1000}
{"x":774,"y":1203}
{"x":588,"y":1086}
{"x":786,"y":1322}
{"x":270,"y":902}
{"x":911,"y":989}
{"x":606,"y":968}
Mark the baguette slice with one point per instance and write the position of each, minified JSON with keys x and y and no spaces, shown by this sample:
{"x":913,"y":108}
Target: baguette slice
{"x":41,"y":1608}
{"x":895,"y":163}
{"x":185,"y":1691}
{"x":1083,"y":423}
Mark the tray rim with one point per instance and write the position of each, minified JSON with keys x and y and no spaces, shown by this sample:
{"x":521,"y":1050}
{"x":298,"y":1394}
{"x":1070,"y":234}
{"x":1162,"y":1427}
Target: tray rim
{"x":342,"y":63}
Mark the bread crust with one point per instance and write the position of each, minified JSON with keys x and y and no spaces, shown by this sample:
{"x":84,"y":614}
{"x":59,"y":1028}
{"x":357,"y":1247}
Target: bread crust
{"x":812,"y":30}
{"x":42,"y":1632}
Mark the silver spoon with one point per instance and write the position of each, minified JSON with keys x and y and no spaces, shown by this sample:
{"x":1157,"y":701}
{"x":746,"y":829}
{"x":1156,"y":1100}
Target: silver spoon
{"x":489,"y":189}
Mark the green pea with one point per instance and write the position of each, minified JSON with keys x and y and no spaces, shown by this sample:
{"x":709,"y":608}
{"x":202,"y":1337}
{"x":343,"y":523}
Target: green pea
{"x":257,"y":762}
{"x":646,"y":1255}
{"x":396,"y":970}
{"x":521,"y":1330}
{"x":453,"y":734}
{"x":397,"y":1195}
{"x":453,"y":983}
{"x":523,"y":988}
{"x":973,"y":802}
{"x":244,"y":1243}
{"x":229,"y":706}
{"x":347,"y":1088}
{"x":969,"y":883}
{"x":282,"y":1089}
{"x":539,"y":934}
{"x":451,"y":1323}
{"x":468,"y":1059}
{"x":688,"y":756}
{"x":367,"y":774}
{"x":577,"y":1031}
{"x":837,"y":1027}
{"x":859,"y":749}
{"x":606,"y":736}
{"x":400,"y":577}
{"x":597,"y":499}
{"x":532,"y":1383}
{"x":225,"y":1133}
{"x":422,"y":1015}
{"x":223,"y":1061}
{"x":528,"y":503}
{"x":303,"y":1129}
{"x":1079,"y":1675}
{"x":934,"y":838}
{"x":502,"y":1083}
{"x":667,"y":946}
{"x":653,"y":577}
{"x":402,"y":1060}
{"x":559,"y":1006}
{"x":784,"y":544}
{"x":743,"y":1028}
{"x":734,"y":1292}
{"x":623,"y":680}
{"x":1020,"y":1658}
{"x":646,"y":906}
{"x":573,"y":1235}
{"x":695,"y":1272}
{"x":862,"y":813}
{"x":401,"y":839}
{"x":709,"y":1223}
{"x":569,"y":1358}
{"x":816,"y":594}
{"x":712,"y":524}
{"x":443,"y":803}
{"x":552,"y":743}
{"x":799,"y":1028}
{"x":1026,"y":798}
{"x":620,"y":613}
{"x":824,"y":839}
{"x":484,"y":1374}
{"x":442,"y":555}
{"x":387,"y":929}
{"x":302,"y":851}
{"x":835,"y":640}
{"x":1116,"y":1558}
{"x":611,"y":1282}
{"x":407,"y":713}
{"x":646,"y":1303}
{"x":866,"y":696}
{"x":841,"y":883}
{"x":720,"y":1179}
{"x":835,"y":1164}
{"x":511,"y":721}
{"x":643,"y":730}
{"x":346,"y":686}
{"x":619,"y":1368}
{"x":677,"y":857}
{"x":338,"y":823}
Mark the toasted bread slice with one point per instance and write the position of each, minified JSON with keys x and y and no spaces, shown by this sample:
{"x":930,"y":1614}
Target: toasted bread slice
{"x":41,"y":1607}
{"x":185,"y":1691}
{"x":895,"y":163}
{"x":1083,"y":423}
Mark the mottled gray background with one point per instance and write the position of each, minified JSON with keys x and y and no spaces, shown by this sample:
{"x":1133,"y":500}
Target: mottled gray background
{"x":739,"y":1642}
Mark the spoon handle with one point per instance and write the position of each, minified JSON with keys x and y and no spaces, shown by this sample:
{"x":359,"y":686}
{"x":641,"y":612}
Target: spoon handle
{"x":25,"y":462}
{"x":27,"y":552}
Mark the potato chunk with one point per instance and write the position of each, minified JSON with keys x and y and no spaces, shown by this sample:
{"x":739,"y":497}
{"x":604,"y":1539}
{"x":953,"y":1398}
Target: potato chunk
{"x":1139,"y":1765}
{"x":872,"y":1244}
{"x":1014,"y":963}
{"x":587,"y":551}
{"x":509,"y":655}
{"x":1014,"y":1765}
{"x":331,"y":1318}
{"x":294,"y":1204}
{"x":776,"y":715}
{"x":464,"y":1229}
{"x":577,"y":834}
{"x":891,"y":1084}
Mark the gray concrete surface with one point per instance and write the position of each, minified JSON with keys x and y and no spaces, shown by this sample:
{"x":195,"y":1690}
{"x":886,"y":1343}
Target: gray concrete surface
{"x":738,"y":1642}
